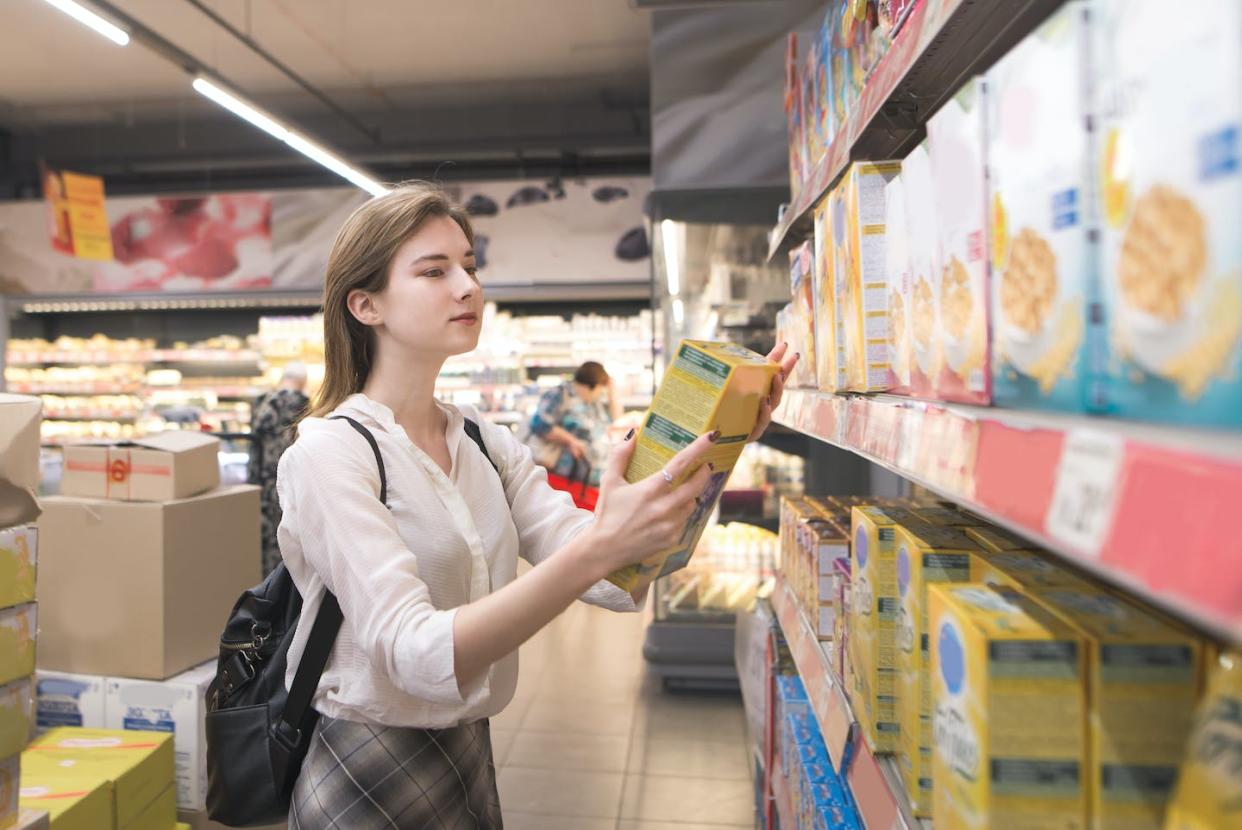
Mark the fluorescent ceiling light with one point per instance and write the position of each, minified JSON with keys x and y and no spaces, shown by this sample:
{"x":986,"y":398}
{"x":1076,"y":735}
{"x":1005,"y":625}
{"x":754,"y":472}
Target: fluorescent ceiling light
{"x":671,"y":237}
{"x":87,"y":17}
{"x":252,"y":114}
{"x":679,"y":312}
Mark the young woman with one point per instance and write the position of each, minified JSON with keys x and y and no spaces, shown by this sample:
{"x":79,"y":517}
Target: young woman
{"x":433,"y":614}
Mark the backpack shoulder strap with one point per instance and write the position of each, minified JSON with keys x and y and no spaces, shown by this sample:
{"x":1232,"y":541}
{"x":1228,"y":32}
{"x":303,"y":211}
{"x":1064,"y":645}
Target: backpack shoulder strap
{"x":476,"y":435}
{"x":323,"y":631}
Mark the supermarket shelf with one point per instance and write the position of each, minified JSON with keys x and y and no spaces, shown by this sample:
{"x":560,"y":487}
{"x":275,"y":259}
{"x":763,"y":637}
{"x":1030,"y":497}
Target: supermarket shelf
{"x":873,"y":780}
{"x":52,"y":415}
{"x":941,"y":45}
{"x":1082,"y":487}
{"x":85,"y":391}
{"x":170,"y":356}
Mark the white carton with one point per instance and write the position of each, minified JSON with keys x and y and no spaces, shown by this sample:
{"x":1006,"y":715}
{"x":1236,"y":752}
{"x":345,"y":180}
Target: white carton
{"x":897,"y":272}
{"x":177,"y":705}
{"x":920,"y":202}
{"x":65,"y":699}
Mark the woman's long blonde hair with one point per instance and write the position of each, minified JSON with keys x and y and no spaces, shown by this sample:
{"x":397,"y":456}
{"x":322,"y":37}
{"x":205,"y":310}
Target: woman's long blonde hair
{"x":360,"y":259}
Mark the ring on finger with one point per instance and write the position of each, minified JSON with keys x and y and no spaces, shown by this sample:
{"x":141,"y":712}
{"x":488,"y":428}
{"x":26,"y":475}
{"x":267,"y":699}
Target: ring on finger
{"x":668,"y":477}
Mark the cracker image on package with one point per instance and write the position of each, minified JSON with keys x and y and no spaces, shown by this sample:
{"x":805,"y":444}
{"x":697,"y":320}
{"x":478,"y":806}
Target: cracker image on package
{"x":1040,"y":220}
{"x":708,"y":386}
{"x":1169,"y":101}
{"x":956,"y":142}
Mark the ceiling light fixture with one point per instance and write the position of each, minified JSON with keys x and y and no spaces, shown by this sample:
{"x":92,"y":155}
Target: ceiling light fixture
{"x":254,"y":115}
{"x":87,"y":17}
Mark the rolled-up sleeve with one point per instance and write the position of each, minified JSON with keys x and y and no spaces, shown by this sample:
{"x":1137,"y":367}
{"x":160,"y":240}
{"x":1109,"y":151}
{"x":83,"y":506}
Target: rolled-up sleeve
{"x":546,"y":519}
{"x":330,"y":487}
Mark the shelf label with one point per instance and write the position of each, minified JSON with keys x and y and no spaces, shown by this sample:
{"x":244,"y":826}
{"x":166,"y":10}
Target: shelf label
{"x":1085,"y":496}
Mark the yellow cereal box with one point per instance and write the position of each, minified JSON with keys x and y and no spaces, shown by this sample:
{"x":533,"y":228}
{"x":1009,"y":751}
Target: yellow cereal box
{"x":995,"y":539}
{"x":926,"y":555}
{"x":18,"y":555}
{"x":1209,"y":788}
{"x":801,"y":278}
{"x":873,"y":621}
{"x":1009,"y":712}
{"x":837,"y":269}
{"x":825,"y":296}
{"x":1025,"y":569}
{"x":865,"y":309}
{"x":956,"y":138}
{"x":1143,"y":679}
{"x":17,"y":716}
{"x":708,"y":386}
{"x":1169,"y":106}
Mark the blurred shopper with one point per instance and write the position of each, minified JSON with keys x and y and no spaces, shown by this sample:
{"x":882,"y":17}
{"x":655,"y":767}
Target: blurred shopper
{"x":568,"y":434}
{"x":271,"y":424}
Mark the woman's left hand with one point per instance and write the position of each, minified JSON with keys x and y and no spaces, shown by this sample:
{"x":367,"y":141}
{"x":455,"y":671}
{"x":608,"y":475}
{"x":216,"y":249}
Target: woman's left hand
{"x":780,"y":356}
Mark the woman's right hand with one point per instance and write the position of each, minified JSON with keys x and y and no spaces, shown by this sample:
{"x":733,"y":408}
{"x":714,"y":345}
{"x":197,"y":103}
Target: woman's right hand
{"x":636,"y":521}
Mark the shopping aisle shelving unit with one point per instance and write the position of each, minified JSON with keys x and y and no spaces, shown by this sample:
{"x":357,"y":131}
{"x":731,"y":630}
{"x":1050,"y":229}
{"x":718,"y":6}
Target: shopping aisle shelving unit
{"x":1084,"y":488}
{"x":940,"y":45}
{"x":873,"y":780}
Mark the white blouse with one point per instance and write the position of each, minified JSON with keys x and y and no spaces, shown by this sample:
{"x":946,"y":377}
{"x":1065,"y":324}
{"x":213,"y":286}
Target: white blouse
{"x":400,"y":573}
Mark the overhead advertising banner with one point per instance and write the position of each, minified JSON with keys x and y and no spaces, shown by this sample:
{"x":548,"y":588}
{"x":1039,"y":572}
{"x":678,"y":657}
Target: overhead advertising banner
{"x":78,"y":218}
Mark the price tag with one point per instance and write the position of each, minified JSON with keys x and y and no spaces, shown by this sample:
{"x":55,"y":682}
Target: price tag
{"x":1085,"y":495}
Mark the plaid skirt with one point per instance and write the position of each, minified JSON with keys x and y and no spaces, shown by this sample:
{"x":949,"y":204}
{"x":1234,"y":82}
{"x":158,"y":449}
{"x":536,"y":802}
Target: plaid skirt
{"x":357,"y":776}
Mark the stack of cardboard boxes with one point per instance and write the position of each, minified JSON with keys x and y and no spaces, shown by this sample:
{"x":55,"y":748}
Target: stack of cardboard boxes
{"x":142,"y":556}
{"x":19,"y":475}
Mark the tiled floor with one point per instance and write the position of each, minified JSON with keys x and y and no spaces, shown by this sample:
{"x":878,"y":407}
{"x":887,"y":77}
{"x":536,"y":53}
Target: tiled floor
{"x":592,"y":743}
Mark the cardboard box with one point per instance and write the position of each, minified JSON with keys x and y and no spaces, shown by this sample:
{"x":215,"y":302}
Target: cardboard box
{"x":162,"y":467}
{"x":142,"y":589}
{"x":1010,"y":703}
{"x":19,"y":555}
{"x":708,"y":386}
{"x":64,"y":699}
{"x":873,"y":622}
{"x":926,"y":556}
{"x":177,"y":706}
{"x":197,"y":820}
{"x":1169,"y":96}
{"x":18,"y":627}
{"x":897,"y":274}
{"x":32,"y":820}
{"x":20,"y":417}
{"x":1027,"y":569}
{"x":995,"y":539}
{"x":137,"y":767}
{"x":10,"y":778}
{"x":1041,"y":221}
{"x":1143,"y":680}
{"x":1209,"y":784}
{"x":956,"y":142}
{"x":824,"y":291}
{"x":865,"y":279}
{"x":71,"y":804}
{"x":837,"y":254}
{"x":802,"y":282}
{"x":17,"y":716}
{"x":921,"y":233}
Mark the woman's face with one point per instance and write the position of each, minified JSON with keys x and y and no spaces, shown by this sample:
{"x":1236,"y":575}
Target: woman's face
{"x":433,"y":302}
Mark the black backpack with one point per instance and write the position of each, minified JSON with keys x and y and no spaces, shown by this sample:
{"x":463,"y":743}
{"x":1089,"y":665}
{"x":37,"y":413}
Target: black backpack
{"x":257,"y":732}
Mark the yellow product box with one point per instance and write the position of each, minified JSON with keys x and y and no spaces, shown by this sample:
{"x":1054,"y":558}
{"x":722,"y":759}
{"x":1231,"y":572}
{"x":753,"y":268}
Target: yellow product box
{"x":18,"y":627}
{"x":1209,"y":787}
{"x":824,"y":295}
{"x":873,"y":621}
{"x":1009,"y":702}
{"x":944,"y":517}
{"x":926,"y":555}
{"x":17,"y":716}
{"x":71,"y":804}
{"x":995,"y":539}
{"x":860,"y":218}
{"x":956,"y":142}
{"x":802,"y":283}
{"x":138,"y":768}
{"x":1027,"y":569}
{"x":1143,"y":677}
{"x":19,"y":553}
{"x":10,"y":778}
{"x":708,"y":386}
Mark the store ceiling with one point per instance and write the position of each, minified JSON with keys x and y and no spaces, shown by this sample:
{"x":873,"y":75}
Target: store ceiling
{"x":490,"y":86}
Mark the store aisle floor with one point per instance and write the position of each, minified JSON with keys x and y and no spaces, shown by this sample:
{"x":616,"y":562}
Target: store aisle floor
{"x":592,"y":743}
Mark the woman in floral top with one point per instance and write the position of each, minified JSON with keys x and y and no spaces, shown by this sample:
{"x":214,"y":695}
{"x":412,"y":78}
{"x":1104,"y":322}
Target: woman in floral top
{"x":569,"y":430}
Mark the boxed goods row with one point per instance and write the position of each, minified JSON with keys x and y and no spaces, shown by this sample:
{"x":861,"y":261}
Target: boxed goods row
{"x":1062,"y":239}
{"x":819,"y":796}
{"x":1005,"y":685}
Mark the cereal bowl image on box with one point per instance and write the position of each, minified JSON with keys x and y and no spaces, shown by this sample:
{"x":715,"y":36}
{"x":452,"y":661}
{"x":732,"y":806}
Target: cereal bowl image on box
{"x":1170,"y":178}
